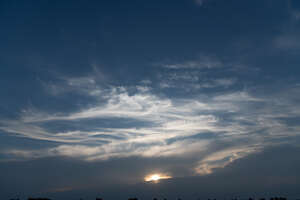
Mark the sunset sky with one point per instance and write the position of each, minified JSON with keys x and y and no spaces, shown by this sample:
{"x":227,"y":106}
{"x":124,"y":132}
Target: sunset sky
{"x":97,"y":96}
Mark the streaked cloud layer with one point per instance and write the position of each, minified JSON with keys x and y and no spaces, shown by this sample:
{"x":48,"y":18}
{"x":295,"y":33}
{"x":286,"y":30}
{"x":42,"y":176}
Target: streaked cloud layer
{"x":137,"y":120}
{"x":109,"y":92}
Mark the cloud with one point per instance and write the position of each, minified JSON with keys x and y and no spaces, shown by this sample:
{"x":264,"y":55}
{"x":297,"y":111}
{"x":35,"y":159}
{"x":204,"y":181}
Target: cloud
{"x":199,"y":2}
{"x":91,"y":84}
{"x":222,"y":82}
{"x":296,"y":14}
{"x":204,"y":73}
{"x":222,"y":159}
{"x":82,"y":85}
{"x":166,"y":119}
{"x":143,"y":121}
{"x":203,"y":62}
{"x":288,"y":41}
{"x":193,"y":82}
{"x":240,"y":96}
{"x":264,"y":171}
{"x":233,"y":117}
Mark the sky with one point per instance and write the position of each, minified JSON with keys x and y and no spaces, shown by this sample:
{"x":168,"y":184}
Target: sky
{"x":97,"y":95}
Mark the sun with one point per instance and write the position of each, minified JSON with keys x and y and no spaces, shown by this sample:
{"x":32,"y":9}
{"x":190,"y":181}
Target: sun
{"x":156,"y":177}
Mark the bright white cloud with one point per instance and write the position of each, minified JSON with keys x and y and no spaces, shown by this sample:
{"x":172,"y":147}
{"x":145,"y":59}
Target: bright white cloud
{"x":221,"y":159}
{"x":171,"y":126}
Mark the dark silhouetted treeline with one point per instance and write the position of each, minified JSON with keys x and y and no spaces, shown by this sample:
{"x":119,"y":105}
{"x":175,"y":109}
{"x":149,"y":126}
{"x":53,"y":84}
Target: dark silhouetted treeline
{"x":272,"y":198}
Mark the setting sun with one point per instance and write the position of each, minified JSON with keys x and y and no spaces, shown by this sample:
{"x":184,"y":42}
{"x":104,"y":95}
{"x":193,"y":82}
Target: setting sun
{"x":156,"y":177}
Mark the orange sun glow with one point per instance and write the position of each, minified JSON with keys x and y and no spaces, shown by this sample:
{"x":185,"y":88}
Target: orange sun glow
{"x":156,"y":177}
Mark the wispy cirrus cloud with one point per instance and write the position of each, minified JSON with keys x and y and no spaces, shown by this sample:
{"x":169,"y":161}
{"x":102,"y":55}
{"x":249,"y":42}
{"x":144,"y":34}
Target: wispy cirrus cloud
{"x":156,"y":120}
{"x":288,"y":42}
{"x":296,"y":14}
{"x":91,"y":84}
{"x":198,"y":74}
{"x":203,"y":62}
{"x":200,"y":2}
{"x":124,"y":121}
{"x":223,"y":158}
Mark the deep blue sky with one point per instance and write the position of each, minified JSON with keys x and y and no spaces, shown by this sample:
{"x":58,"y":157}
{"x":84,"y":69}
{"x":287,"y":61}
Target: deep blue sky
{"x":96,"y":95}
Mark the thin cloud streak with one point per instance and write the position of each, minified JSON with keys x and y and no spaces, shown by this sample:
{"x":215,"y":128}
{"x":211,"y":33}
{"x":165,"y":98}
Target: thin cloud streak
{"x":203,"y":62}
